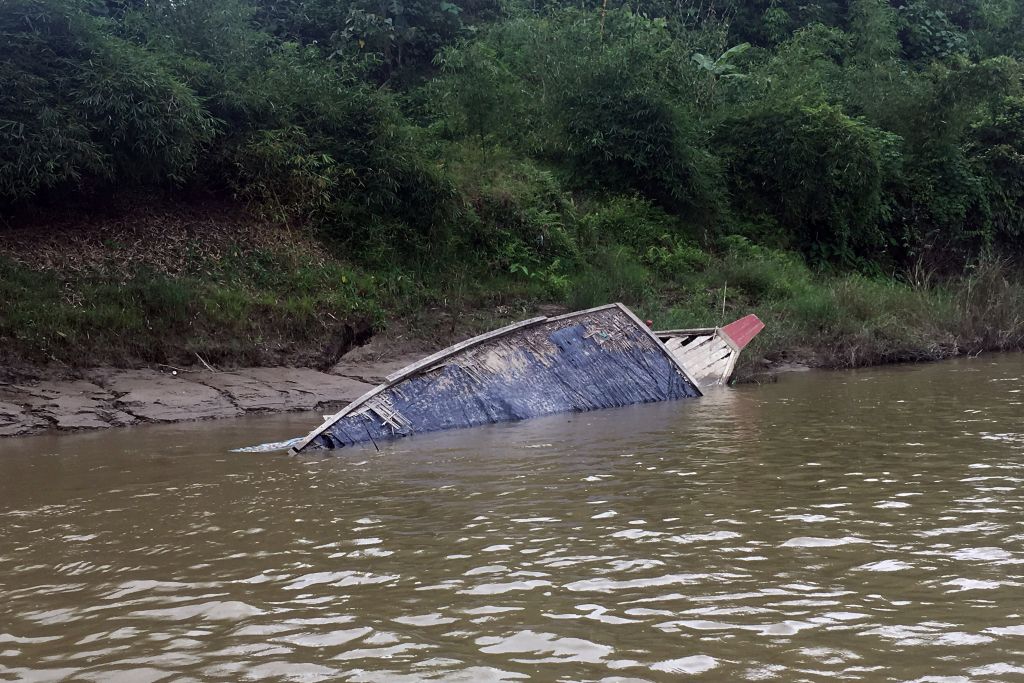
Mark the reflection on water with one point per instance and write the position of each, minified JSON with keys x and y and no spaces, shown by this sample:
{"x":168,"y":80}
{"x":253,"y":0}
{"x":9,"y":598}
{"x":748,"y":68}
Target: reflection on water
{"x":862,"y":526}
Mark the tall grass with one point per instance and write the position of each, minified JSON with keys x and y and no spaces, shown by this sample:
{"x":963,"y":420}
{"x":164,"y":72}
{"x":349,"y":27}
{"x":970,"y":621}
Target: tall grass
{"x":851,"y":320}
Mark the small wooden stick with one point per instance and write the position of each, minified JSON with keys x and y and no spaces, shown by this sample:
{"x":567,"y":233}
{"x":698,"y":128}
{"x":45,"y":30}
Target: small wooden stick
{"x":205,"y":364}
{"x":165,"y":365}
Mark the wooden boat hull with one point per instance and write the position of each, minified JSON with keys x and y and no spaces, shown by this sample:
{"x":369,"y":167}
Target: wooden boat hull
{"x":710,"y":354}
{"x":600,"y":358}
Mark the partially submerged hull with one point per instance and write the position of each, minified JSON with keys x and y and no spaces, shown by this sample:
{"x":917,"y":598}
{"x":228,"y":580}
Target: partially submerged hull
{"x":710,"y":354}
{"x":604,"y":357}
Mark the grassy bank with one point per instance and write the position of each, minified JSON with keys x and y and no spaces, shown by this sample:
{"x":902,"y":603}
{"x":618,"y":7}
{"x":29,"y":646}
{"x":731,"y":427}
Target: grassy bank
{"x":853,"y":172}
{"x":164,"y":284}
{"x":180,"y":285}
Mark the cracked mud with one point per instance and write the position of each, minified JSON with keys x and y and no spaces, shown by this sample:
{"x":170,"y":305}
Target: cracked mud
{"x":114,"y":398}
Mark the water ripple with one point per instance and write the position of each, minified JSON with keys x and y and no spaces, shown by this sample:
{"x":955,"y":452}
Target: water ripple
{"x":856,"y":526}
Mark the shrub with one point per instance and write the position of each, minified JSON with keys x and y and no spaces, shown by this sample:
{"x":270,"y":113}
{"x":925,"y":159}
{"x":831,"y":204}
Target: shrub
{"x":758,"y":272}
{"x":816,"y":171}
{"x":281,"y":174}
{"x":613,"y":275}
{"x":476,"y":93}
{"x":80,"y":108}
{"x":660,"y":239}
{"x":944,"y":204}
{"x":629,"y":220}
{"x":518,"y":212}
{"x":337,"y":150}
{"x":625,"y":137}
{"x":927,"y":33}
{"x":997,"y":148}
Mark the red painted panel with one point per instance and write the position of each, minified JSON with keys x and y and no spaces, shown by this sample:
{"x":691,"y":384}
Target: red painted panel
{"x":743,"y":330}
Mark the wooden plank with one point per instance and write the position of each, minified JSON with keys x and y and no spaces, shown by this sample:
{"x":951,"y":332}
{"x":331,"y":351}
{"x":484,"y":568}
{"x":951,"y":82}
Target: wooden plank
{"x":714,"y":367}
{"x":595,"y":309}
{"x":409,"y":370}
{"x":708,"y":359}
{"x":330,"y":420}
{"x":673,"y":344}
{"x":650,"y":333}
{"x":686,"y":333}
{"x":727,"y":375}
{"x":695,"y":343}
{"x":703,"y":359}
{"x":433,"y":359}
{"x":711,"y":362}
{"x":698,"y":360}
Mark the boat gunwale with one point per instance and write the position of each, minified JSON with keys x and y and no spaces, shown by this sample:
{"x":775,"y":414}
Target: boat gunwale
{"x":696,"y":332}
{"x":425,"y":364}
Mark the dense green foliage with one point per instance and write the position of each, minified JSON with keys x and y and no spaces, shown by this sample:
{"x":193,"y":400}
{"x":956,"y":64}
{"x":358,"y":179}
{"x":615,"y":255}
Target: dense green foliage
{"x":584,"y":151}
{"x":79,"y":106}
{"x":867,"y":134}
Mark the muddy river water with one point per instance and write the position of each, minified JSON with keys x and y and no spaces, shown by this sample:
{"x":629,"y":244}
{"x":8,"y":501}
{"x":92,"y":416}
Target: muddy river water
{"x":834,"y":525}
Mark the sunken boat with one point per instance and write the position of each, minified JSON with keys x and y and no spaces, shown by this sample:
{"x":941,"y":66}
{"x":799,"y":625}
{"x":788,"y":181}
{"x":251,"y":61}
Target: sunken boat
{"x":604,"y":357}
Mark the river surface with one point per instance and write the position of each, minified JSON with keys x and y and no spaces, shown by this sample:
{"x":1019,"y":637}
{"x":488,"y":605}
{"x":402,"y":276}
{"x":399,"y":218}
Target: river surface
{"x":834,"y":525}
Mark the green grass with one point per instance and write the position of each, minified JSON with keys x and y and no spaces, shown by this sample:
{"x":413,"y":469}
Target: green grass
{"x":851,"y":320}
{"x":286,"y":299}
{"x":257,"y":311}
{"x":272,"y":311}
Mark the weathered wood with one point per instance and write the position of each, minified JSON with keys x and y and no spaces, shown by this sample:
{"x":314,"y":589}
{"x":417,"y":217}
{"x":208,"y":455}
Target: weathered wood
{"x":741,"y":332}
{"x":695,"y":343}
{"x":650,"y":333}
{"x":435,"y":358}
{"x":602,"y":357}
{"x":730,"y":367}
{"x":708,"y":358}
{"x":710,"y":353}
{"x":408,"y":371}
{"x":598,"y":358}
{"x":697,"y":331}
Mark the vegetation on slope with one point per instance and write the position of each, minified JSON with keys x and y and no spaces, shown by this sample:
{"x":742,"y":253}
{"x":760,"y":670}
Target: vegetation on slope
{"x":852,"y":170}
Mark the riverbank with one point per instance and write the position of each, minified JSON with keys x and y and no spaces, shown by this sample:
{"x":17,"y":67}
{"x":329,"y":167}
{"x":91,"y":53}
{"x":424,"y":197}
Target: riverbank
{"x":119,"y":398}
{"x":100,"y":398}
{"x":116,"y":316}
{"x":171,"y":283}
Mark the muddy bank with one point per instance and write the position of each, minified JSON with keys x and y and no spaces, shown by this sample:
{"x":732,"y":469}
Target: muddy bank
{"x":110,"y":397}
{"x":107,"y":397}
{"x":35,"y":399}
